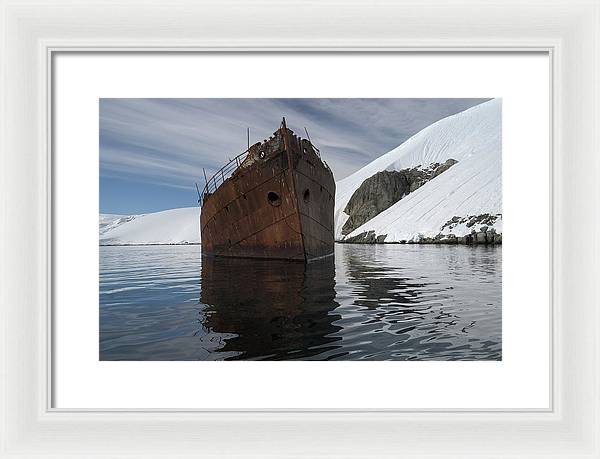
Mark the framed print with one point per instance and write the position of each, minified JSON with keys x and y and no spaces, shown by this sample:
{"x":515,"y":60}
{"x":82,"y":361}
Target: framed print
{"x":359,"y":303}
{"x":253,"y":230}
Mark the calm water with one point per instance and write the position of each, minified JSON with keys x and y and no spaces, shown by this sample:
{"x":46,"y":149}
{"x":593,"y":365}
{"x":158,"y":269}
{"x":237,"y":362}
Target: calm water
{"x":399,"y":302}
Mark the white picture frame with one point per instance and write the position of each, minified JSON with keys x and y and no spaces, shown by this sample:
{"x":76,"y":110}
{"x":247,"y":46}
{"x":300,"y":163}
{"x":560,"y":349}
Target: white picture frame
{"x":32,"y":31}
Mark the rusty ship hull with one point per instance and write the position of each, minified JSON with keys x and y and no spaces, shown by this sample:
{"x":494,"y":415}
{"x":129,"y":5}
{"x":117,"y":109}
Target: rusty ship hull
{"x":277,"y":203}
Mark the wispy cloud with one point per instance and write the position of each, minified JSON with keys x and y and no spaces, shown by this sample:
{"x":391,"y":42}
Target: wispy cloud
{"x":170,"y":141}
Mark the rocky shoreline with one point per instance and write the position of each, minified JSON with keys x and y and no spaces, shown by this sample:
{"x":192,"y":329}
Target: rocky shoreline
{"x":485,"y":236}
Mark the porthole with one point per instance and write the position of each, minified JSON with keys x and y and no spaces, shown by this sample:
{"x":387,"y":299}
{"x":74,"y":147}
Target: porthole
{"x":306,"y":195}
{"x":273,"y":198}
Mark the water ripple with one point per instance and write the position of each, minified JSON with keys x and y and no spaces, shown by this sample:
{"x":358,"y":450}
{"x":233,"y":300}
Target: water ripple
{"x":391,"y":302}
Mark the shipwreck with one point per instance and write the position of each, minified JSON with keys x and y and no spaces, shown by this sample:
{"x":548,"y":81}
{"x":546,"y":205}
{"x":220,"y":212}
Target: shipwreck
{"x":273,"y":201}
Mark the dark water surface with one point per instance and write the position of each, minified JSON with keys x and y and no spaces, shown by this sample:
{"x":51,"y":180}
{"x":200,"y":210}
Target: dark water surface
{"x":383,"y":302}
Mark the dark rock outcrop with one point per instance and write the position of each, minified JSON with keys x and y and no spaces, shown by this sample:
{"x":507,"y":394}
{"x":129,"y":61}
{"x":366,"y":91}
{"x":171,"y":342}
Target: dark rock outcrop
{"x":386,"y":188}
{"x":471,"y":220}
{"x":367,"y":237}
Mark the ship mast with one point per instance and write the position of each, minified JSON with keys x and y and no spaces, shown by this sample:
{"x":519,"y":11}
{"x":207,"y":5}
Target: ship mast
{"x":307,"y":136}
{"x":198,"y":191}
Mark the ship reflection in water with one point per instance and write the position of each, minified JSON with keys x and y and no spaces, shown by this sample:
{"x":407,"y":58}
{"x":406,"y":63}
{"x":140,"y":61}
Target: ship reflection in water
{"x":385,"y":302}
{"x":272,"y":309}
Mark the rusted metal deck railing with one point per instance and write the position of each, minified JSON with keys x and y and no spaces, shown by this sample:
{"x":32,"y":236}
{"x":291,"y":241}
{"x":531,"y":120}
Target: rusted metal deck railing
{"x":222,"y":174}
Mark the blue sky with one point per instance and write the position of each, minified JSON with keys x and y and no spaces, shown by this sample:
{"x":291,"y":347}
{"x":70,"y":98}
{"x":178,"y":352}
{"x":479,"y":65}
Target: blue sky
{"x":153,"y":150}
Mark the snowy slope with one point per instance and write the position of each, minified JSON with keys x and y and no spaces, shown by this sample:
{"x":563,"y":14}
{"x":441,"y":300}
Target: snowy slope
{"x":110,"y":221}
{"x":174,"y":226}
{"x":471,"y":187}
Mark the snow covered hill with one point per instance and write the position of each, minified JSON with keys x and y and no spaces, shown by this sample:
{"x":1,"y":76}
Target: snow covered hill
{"x":110,"y":221}
{"x":174,"y":226}
{"x":469,"y":189}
